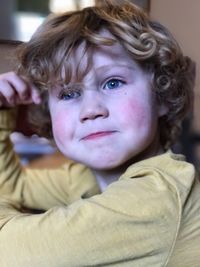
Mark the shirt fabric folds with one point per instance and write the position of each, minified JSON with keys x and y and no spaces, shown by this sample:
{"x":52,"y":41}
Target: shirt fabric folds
{"x":149,"y":217}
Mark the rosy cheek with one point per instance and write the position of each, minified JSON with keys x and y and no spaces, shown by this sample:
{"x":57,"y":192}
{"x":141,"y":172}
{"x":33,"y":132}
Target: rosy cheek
{"x":60,"y":124}
{"x":135,"y":112}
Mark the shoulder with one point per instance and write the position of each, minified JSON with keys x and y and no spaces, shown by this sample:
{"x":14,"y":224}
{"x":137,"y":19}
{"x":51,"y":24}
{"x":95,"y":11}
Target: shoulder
{"x":145,"y":210}
{"x":168,"y":172}
{"x":154,"y":189}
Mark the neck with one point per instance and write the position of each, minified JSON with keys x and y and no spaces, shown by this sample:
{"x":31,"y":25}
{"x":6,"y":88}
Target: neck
{"x":106,"y":177}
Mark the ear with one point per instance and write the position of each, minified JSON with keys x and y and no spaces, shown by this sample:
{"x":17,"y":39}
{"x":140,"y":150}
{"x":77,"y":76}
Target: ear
{"x":162,"y":110}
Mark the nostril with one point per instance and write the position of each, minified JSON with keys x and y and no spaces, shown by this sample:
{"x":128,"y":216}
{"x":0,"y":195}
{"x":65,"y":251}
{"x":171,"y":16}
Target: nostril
{"x":98,"y":116}
{"x":93,"y":113}
{"x":91,"y":117}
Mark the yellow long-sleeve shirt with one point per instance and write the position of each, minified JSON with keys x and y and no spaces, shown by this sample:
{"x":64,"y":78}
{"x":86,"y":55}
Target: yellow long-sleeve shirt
{"x":149,"y":217}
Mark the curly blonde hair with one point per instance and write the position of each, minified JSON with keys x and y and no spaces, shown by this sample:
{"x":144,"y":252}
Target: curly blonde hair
{"x":44,"y":57}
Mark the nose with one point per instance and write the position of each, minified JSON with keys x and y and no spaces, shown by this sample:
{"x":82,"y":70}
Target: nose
{"x":93,"y":107}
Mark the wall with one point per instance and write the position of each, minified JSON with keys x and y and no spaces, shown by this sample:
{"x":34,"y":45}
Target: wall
{"x":7,"y":55}
{"x":7,"y":23}
{"x":182,"y":17}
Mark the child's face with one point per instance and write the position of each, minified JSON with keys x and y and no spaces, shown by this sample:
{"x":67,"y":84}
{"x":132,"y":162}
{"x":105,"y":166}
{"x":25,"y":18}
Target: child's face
{"x":110,"y":117}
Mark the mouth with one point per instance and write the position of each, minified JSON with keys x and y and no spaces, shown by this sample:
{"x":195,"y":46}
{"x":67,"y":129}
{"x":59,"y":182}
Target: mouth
{"x":97,"y":135}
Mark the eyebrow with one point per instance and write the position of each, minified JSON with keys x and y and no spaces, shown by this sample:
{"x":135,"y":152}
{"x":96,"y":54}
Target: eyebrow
{"x":114,"y":66}
{"x":109,"y":67}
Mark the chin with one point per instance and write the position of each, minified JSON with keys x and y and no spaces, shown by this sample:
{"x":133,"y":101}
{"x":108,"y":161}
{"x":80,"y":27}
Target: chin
{"x":105,"y":165}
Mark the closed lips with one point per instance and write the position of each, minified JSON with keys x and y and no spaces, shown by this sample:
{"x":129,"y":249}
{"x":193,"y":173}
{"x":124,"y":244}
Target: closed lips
{"x":97,"y":135}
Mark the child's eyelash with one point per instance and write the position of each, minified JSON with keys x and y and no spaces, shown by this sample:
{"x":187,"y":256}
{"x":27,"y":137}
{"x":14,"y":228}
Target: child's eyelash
{"x":68,"y":94}
{"x":113,"y":83}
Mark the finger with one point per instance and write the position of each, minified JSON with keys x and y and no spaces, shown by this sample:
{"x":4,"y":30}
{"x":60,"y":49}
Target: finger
{"x":7,"y":92}
{"x":31,"y":92}
{"x":36,"y":98}
{"x":20,"y":86}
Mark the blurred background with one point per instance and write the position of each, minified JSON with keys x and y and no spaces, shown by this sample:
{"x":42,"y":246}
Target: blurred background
{"x":20,"y":18}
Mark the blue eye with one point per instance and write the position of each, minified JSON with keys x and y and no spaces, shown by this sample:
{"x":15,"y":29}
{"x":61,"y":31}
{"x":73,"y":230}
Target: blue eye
{"x":113,"y":84}
{"x":69,"y":94}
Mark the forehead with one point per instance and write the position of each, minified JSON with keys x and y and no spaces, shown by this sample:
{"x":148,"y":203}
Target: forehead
{"x":101,"y":55}
{"x":87,"y":58}
{"x":111,"y":55}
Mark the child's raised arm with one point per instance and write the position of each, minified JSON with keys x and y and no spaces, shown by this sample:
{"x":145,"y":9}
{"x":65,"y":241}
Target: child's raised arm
{"x":124,"y":226}
{"x":36,"y":189}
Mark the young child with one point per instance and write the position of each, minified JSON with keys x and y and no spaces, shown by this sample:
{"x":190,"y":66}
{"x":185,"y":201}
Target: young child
{"x":115,"y":87}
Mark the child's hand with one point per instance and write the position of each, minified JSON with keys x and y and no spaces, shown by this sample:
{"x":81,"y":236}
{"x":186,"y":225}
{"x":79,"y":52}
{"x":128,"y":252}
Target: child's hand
{"x":14,"y":90}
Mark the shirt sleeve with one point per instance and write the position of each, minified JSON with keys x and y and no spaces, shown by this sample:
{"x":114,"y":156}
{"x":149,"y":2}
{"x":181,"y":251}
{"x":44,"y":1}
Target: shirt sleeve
{"x":127,"y":225}
{"x":39,"y":189}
